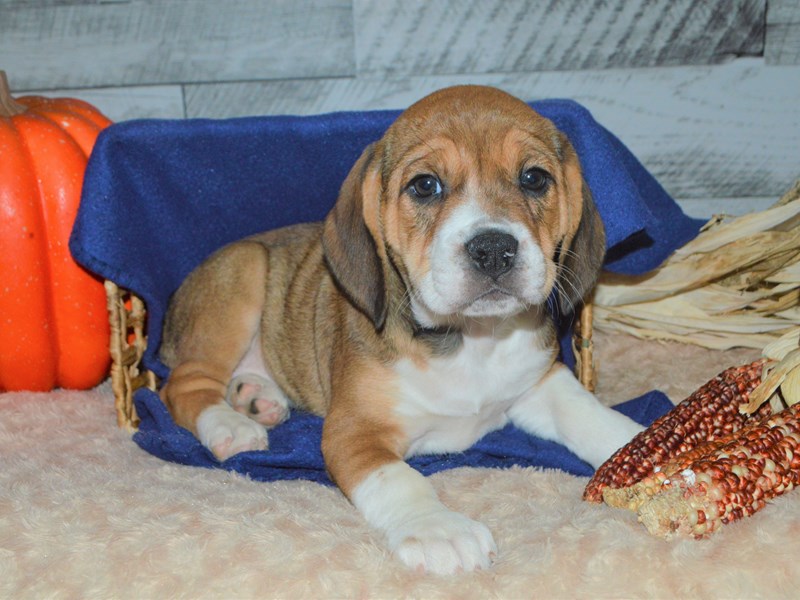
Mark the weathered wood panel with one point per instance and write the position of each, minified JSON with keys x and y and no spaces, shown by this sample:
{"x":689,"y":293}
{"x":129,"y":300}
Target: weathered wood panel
{"x":162,"y":41}
{"x":39,"y":3}
{"x":425,"y":37}
{"x":724,"y":131}
{"x":783,"y":33}
{"x":121,"y":104}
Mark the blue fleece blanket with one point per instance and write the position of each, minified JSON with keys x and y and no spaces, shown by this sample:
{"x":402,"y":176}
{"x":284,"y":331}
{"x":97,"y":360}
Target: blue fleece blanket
{"x":161,"y":195}
{"x":294,"y":446}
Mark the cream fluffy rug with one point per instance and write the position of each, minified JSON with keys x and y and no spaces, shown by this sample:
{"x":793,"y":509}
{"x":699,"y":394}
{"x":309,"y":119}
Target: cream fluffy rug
{"x":85,"y":514}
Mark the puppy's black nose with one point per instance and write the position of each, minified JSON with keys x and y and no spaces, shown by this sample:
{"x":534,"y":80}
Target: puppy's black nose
{"x":492,"y":252}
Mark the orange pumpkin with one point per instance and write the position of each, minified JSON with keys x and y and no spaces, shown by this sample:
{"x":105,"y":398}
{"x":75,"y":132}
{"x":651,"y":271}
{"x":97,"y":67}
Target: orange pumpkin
{"x":54,"y":328}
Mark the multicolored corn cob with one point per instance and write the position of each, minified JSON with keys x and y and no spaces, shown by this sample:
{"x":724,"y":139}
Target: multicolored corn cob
{"x":692,"y":496}
{"x":705,"y":416}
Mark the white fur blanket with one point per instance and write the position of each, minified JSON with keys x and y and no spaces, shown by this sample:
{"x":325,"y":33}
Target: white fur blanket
{"x":85,"y":514}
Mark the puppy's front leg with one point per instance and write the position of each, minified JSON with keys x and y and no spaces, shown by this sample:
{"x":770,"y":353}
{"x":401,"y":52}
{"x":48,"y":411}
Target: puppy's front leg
{"x":420,"y":530}
{"x":394,"y":498}
{"x":562,"y":410}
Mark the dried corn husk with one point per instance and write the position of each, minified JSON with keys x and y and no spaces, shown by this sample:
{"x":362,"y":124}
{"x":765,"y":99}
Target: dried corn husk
{"x":780,"y":384}
{"x":736,"y":284}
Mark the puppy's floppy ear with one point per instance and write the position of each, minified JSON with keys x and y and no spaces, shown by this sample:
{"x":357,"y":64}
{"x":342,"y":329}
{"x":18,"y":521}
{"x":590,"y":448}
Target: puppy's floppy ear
{"x":582,"y":248}
{"x":352,"y":240}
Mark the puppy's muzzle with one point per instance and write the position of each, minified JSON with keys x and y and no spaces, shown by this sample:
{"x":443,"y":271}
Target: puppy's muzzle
{"x":492,"y":252}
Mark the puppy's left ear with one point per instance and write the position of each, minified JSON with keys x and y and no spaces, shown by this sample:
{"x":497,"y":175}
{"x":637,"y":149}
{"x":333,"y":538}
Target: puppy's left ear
{"x":582,"y":248}
{"x":352,"y":240}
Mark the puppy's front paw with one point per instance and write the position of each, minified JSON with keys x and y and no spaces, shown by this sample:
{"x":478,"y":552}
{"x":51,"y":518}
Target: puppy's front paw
{"x":226,"y":432}
{"x":443,"y":542}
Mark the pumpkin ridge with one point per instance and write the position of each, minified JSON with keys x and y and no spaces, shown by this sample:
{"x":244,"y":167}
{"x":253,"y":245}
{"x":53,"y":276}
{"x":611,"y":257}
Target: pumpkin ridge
{"x":60,"y":188}
{"x":46,"y":267}
{"x":73,"y":105}
{"x":28,"y":354}
{"x":82,"y":130}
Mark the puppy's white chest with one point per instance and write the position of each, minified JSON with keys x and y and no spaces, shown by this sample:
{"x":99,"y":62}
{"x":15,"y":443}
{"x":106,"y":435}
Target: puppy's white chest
{"x":452,"y":401}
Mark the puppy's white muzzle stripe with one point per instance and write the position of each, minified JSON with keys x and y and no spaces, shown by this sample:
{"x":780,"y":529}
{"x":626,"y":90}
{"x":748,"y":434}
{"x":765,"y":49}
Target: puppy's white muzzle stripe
{"x":420,"y":530}
{"x":453,"y":283}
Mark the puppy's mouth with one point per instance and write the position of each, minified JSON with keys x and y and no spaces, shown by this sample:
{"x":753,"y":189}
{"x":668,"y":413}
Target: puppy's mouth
{"x":495,"y":294}
{"x":495,"y":301}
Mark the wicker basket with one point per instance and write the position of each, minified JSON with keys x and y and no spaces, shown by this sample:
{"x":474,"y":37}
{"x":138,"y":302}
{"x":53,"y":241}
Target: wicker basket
{"x":127,"y":314}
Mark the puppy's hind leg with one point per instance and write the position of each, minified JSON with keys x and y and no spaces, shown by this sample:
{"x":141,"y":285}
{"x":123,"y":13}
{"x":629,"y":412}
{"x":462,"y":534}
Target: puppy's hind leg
{"x":211,"y":322}
{"x":254,"y":393}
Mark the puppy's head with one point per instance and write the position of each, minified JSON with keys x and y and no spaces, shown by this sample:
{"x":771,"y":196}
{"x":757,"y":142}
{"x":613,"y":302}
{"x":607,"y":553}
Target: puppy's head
{"x":476,"y":202}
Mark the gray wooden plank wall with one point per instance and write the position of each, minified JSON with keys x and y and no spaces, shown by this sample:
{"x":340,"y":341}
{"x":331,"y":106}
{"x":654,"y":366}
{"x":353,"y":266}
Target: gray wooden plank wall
{"x":706,"y":94}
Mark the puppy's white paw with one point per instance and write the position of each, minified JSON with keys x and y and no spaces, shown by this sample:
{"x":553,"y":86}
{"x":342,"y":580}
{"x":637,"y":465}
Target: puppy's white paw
{"x":226,"y":432}
{"x":443,"y":542}
{"x":258,"y":398}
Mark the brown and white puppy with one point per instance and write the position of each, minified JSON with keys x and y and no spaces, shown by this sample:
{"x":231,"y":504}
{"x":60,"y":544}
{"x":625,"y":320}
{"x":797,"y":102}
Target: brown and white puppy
{"x":414,"y":318}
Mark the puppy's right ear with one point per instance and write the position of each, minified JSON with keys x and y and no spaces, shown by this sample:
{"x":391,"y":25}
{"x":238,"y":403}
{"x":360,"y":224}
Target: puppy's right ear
{"x":353,"y":242}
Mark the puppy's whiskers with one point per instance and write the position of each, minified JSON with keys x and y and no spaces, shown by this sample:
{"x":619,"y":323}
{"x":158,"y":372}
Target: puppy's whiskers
{"x":561,"y":286}
{"x":403,"y":306}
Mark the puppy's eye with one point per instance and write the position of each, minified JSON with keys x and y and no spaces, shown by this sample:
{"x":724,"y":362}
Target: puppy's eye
{"x":535,"y":181}
{"x":424,"y":187}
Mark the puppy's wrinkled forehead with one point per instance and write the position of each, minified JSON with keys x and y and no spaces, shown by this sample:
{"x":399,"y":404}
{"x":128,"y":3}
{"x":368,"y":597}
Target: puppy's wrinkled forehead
{"x":476,"y":118}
